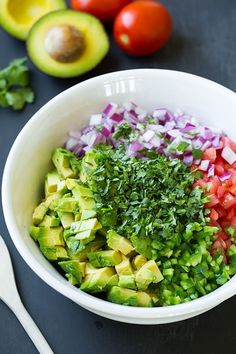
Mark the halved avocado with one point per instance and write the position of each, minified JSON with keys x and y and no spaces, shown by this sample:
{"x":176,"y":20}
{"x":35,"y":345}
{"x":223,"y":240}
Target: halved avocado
{"x":18,"y":16}
{"x":67,"y":43}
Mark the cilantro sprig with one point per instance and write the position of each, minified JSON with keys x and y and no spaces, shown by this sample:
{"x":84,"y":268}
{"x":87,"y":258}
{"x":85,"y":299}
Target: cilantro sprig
{"x":14,"y":85}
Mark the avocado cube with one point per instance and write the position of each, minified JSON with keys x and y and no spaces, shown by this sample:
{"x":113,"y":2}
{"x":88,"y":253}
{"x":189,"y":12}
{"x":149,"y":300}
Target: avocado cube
{"x":71,"y":183}
{"x":122,"y":296}
{"x":54,"y":253}
{"x":39,"y":213}
{"x":124,"y":268}
{"x":138,"y":261}
{"x":50,"y":200}
{"x":50,"y":221}
{"x":62,"y":188}
{"x":88,"y":214}
{"x":119,"y":243}
{"x":77,"y":216}
{"x":75,"y":268}
{"x":113,"y":281}
{"x":153,"y":296}
{"x":67,"y":205}
{"x":85,"y":236}
{"x":104,"y":258}
{"x":147,"y":274}
{"x":129,"y":297}
{"x":72,"y":279}
{"x":61,"y":160}
{"x":97,"y":282}
{"x":89,"y":268}
{"x":84,"y":197}
{"x":144,"y":299}
{"x":80,"y":253}
{"x":49,"y":237}
{"x":66,"y":219}
{"x":127,"y":281}
{"x":34,"y":232}
{"x":51,"y":182}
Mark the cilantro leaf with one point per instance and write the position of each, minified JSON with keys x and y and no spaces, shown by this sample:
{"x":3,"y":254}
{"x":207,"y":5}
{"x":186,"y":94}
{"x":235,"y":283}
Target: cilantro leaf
{"x":14,"y":89}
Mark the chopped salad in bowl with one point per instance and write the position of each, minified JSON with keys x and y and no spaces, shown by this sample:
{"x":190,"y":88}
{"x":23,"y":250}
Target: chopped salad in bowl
{"x":140,"y":207}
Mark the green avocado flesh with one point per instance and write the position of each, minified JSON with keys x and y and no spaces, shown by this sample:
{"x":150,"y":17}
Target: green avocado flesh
{"x":67,"y":43}
{"x":18,"y":16}
{"x":86,"y":224}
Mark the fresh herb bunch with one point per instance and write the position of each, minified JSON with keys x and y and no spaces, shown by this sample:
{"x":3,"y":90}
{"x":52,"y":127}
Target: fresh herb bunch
{"x":14,"y":89}
{"x":149,"y":201}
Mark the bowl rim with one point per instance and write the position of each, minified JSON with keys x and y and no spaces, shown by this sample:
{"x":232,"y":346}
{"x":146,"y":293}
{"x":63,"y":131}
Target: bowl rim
{"x":86,"y":300}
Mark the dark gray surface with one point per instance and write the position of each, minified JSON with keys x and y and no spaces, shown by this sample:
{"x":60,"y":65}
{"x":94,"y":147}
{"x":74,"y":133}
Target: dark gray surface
{"x":204,"y":43}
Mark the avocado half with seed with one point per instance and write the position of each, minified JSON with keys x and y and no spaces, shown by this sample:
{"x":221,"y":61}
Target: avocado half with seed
{"x":18,"y":16}
{"x":66,"y":43}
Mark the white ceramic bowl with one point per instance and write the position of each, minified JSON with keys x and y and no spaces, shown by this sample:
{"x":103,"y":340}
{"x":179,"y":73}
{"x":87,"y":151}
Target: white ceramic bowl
{"x":29,"y":160}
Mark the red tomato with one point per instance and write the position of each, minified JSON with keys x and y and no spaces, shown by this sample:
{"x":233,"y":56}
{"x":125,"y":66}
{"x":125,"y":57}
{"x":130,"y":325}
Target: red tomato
{"x":214,"y":215}
{"x":213,"y":201}
{"x":220,"y":192}
{"x":219,"y":169}
{"x":227,"y":142}
{"x":232,"y":189}
{"x":142,"y":27}
{"x":105,"y":10}
{"x":228,"y":201}
{"x":209,"y":154}
{"x":221,"y":234}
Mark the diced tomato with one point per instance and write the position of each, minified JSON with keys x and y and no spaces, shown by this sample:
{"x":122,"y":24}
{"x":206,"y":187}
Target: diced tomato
{"x":233,"y":222}
{"x":220,"y":192}
{"x":214,"y":215}
{"x":228,"y":243}
{"x":228,"y":142}
{"x":221,"y":212}
{"x":209,"y":154}
{"x":228,"y":201}
{"x":217,"y":246}
{"x":213,"y":201}
{"x":219,"y":169}
{"x":214,"y":223}
{"x":230,"y":214}
{"x":228,"y":183}
{"x":222,"y":235}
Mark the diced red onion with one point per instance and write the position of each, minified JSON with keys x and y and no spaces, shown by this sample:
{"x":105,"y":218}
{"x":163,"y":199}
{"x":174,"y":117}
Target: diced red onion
{"x":117,"y":117}
{"x":95,"y":119}
{"x":204,"y":165}
{"x":211,"y":170}
{"x":225,"y":176}
{"x":229,"y":155}
{"x":110,"y":109}
{"x":188,"y":159}
{"x":136,"y":146}
{"x":148,"y":135}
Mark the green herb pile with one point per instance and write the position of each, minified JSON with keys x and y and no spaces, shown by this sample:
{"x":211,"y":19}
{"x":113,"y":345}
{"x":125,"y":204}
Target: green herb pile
{"x":14,"y":85}
{"x":152,"y":203}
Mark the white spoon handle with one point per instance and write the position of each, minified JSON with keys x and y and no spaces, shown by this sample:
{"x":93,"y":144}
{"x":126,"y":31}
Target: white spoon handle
{"x":31,"y":328}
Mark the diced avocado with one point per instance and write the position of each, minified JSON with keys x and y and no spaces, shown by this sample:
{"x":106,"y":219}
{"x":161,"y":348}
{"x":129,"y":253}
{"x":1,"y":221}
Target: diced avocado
{"x":54,"y":253}
{"x":50,"y":221}
{"x":61,"y":160}
{"x":50,"y":200}
{"x":72,"y":279}
{"x":67,"y":205}
{"x":153,"y":296}
{"x":49,"y":237}
{"x":84,"y":197}
{"x":119,"y":243}
{"x":124,"y":268}
{"x":77,"y":216}
{"x":71,"y":183}
{"x":34,"y":232}
{"x":138,"y":261}
{"x":51,"y":183}
{"x":113,"y":281}
{"x":127,"y":281}
{"x":85,"y":236}
{"x":88,"y":214}
{"x":129,"y":297}
{"x":39,"y":213}
{"x":66,"y":219}
{"x":89,"y":268}
{"x":147,"y":274}
{"x":84,"y":225}
{"x":74,"y":267}
{"x":144,"y":299}
{"x":81,"y":252}
{"x":97,"y":282}
{"x":104,"y":258}
{"x":88,"y":165}
{"x":62,"y":188}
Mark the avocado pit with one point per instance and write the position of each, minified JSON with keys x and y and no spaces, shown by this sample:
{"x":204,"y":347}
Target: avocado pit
{"x":64,"y":43}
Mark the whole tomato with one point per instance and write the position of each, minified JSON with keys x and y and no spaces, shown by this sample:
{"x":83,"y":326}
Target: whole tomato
{"x":105,"y":10}
{"x":142,"y":27}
